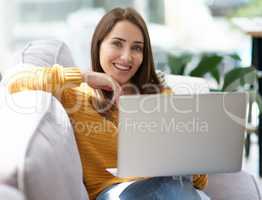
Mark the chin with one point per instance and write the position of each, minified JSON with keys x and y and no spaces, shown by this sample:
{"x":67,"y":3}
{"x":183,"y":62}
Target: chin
{"x":122,"y":81}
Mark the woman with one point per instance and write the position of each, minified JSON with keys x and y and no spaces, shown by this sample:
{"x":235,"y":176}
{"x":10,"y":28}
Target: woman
{"x":122,"y":64}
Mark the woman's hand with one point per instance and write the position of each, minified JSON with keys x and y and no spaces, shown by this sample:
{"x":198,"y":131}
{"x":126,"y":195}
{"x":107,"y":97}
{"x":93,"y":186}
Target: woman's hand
{"x":103,"y":81}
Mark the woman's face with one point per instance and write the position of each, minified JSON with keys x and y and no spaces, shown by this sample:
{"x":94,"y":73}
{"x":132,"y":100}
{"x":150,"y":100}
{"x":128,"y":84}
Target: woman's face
{"x":121,"y":51}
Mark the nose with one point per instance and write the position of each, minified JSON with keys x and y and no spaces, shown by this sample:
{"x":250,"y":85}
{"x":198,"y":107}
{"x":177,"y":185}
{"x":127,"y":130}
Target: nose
{"x":126,"y":56}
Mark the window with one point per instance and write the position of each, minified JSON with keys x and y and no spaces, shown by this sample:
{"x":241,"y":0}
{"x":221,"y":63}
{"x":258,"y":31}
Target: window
{"x":58,"y":10}
{"x":48,"y":10}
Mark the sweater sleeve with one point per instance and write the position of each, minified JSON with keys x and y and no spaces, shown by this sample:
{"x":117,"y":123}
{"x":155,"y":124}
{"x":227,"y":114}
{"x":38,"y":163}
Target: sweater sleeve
{"x":49,"y":79}
{"x":200,"y":181}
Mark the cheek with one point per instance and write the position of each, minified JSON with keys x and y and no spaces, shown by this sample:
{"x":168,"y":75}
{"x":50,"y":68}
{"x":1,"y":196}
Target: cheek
{"x":105,"y":56}
{"x":107,"y":52}
{"x":138,"y":60}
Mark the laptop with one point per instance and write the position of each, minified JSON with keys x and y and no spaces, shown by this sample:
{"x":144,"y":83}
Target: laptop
{"x":168,"y":135}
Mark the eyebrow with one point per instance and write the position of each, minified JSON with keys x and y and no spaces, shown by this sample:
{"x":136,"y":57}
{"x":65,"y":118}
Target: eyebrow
{"x":121,"y":39}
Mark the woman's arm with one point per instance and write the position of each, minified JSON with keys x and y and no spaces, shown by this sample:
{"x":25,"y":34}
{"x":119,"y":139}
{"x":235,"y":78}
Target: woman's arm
{"x":57,"y":78}
{"x":51,"y":79}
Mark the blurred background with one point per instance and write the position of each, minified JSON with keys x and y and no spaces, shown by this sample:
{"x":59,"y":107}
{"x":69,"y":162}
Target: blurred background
{"x":191,"y":25}
{"x":189,"y":37}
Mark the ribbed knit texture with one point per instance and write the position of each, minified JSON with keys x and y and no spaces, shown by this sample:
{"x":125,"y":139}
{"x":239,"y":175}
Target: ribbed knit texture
{"x":96,"y":135}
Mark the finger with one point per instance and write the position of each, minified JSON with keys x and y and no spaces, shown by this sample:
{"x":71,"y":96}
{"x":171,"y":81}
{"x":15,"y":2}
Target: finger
{"x":117,"y":92}
{"x":107,"y":88}
{"x":115,"y":87}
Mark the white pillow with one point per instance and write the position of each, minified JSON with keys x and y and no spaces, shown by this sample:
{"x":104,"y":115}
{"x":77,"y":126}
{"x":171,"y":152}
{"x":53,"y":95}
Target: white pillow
{"x":45,"y":53}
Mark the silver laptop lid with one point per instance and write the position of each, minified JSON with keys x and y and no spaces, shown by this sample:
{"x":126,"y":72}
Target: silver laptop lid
{"x":162,"y":135}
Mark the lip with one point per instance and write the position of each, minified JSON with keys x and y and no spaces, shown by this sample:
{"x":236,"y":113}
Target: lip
{"x":122,"y":67}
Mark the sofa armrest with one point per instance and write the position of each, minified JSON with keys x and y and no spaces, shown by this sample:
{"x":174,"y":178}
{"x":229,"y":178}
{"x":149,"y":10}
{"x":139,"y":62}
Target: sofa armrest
{"x":39,"y":142}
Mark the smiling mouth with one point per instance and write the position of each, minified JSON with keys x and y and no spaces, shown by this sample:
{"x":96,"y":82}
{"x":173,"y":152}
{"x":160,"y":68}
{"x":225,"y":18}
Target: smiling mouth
{"x":122,"y":67}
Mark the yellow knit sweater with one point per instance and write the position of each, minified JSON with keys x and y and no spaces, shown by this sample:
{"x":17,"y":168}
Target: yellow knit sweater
{"x":95,"y":134}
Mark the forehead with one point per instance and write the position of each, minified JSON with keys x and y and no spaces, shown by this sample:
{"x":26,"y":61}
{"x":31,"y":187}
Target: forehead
{"x":126,"y":30}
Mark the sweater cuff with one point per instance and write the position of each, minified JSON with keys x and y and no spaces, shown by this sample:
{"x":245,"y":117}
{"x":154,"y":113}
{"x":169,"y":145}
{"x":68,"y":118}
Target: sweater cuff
{"x":72,"y":75}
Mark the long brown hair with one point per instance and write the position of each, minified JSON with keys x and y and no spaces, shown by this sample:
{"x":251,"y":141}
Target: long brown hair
{"x":146,"y":73}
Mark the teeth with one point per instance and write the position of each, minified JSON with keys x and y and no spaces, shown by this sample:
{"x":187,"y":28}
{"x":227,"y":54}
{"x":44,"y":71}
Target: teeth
{"x":122,"y":67}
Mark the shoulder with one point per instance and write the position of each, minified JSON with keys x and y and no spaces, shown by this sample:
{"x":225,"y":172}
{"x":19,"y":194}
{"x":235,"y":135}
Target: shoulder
{"x":79,"y":97}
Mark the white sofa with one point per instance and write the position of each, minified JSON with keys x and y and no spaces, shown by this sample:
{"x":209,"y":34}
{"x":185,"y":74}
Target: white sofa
{"x":39,"y":157}
{"x":39,"y":148}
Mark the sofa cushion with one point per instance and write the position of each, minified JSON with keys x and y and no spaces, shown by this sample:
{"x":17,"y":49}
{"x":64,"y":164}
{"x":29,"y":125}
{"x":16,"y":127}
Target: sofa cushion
{"x":45,"y":53}
{"x":187,"y":84}
{"x":233,"y":186}
{"x":8,"y":154}
{"x":42,"y":144}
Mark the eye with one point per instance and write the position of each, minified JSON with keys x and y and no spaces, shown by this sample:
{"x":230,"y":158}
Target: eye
{"x":137,"y":48}
{"x":117,"y":43}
